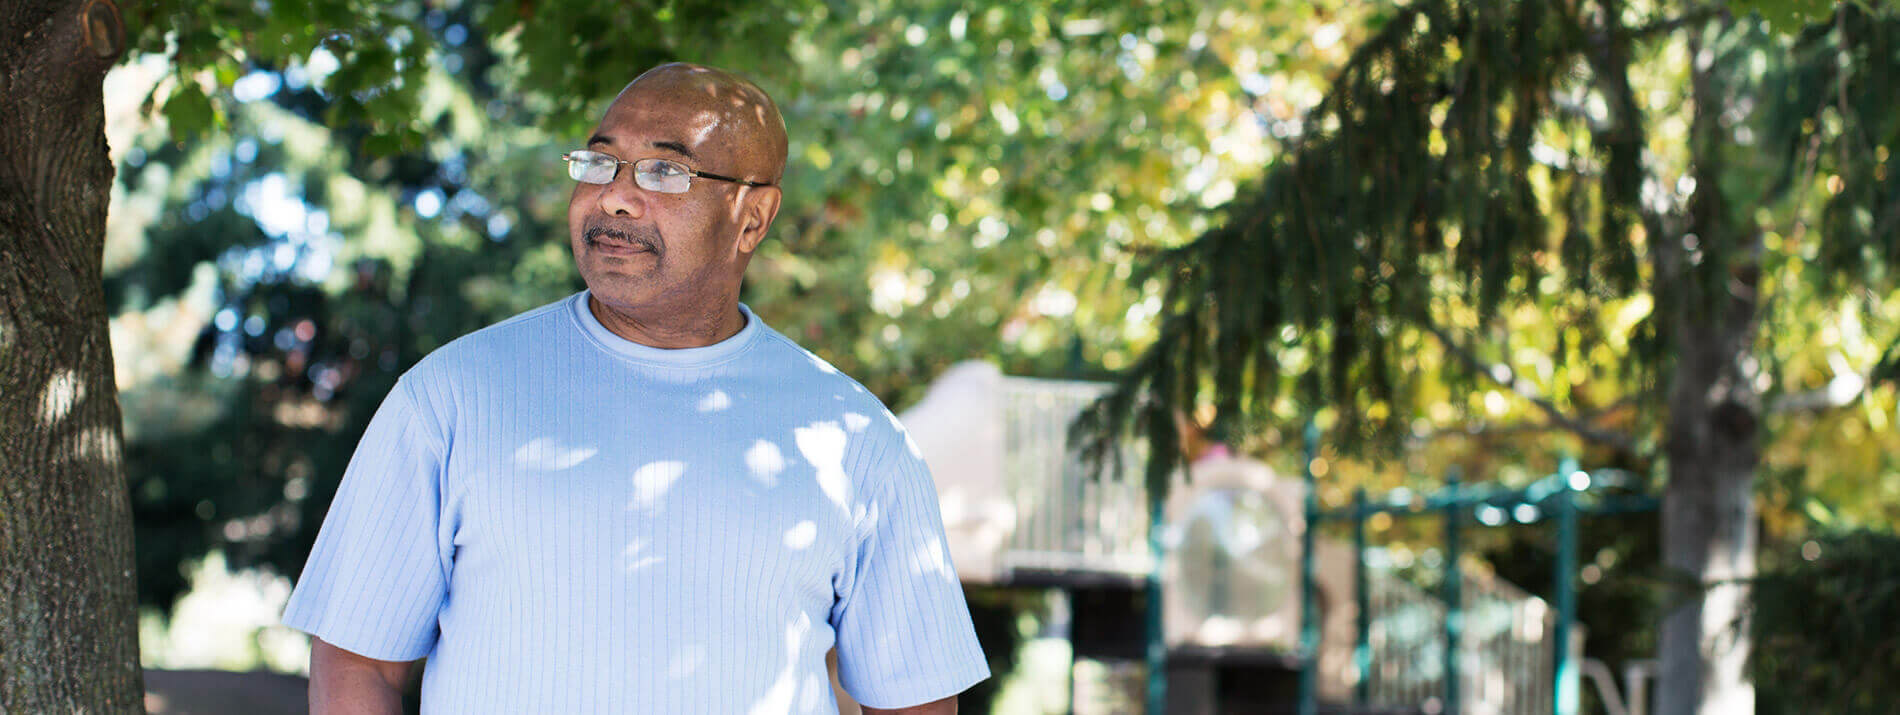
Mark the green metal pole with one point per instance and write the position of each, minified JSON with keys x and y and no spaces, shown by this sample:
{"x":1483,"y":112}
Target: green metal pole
{"x":1309,"y":621}
{"x":1362,"y":648}
{"x":1564,"y":686}
{"x":1157,"y":651}
{"x":1453,"y":589}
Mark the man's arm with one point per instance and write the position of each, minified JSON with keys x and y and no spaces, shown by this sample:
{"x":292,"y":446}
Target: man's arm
{"x":344,"y":682}
{"x":946,"y":706}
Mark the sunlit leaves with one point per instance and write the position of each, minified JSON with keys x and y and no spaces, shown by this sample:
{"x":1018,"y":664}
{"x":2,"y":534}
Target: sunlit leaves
{"x":366,"y":57}
{"x":1443,"y":187}
{"x":1021,"y":157}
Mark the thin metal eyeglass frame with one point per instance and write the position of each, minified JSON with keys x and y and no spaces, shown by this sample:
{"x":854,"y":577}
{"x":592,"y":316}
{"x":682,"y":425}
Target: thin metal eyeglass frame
{"x":568,"y":157}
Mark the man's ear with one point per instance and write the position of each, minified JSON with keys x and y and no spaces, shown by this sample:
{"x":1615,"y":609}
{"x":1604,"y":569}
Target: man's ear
{"x":756,"y":216}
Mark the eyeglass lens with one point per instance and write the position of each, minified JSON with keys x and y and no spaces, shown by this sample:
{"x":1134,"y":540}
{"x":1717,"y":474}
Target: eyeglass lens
{"x":651,"y":174}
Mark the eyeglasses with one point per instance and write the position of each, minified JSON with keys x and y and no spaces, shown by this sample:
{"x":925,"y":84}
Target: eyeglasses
{"x":666,"y":177}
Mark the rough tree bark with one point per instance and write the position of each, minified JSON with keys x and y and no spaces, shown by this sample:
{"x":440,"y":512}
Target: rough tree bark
{"x":68,"y":628}
{"x":1713,"y":429}
{"x":1709,"y":520}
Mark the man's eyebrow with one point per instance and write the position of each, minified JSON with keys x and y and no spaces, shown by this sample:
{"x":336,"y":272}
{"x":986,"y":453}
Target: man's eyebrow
{"x":671,"y":146}
{"x":676,"y":148}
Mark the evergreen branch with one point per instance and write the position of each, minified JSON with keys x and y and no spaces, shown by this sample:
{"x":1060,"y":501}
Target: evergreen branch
{"x":1609,"y":60}
{"x":1392,"y":35}
{"x":1507,"y":378}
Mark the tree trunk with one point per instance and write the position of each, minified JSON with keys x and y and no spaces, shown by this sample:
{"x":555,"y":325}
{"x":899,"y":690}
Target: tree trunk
{"x":1708,"y":279}
{"x":68,"y":627}
{"x":1708,"y":535}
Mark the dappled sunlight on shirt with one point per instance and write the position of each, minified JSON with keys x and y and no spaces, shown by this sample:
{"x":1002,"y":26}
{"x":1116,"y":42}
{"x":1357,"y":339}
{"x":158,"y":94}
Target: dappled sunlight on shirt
{"x":715,"y":401}
{"x":823,"y":445}
{"x":765,"y":461}
{"x":650,"y":483}
{"x":548,"y":454}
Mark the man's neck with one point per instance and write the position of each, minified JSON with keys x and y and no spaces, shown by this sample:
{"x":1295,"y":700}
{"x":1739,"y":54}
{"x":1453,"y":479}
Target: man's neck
{"x":690,"y":330}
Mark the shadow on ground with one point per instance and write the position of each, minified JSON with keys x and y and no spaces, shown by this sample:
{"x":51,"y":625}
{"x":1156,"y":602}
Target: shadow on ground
{"x":214,"y":692}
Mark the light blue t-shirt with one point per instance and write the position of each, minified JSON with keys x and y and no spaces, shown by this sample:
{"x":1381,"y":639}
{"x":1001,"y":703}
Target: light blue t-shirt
{"x":564,"y":521}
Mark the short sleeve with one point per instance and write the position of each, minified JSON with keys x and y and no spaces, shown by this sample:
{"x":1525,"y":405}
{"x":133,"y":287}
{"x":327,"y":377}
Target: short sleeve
{"x":904,"y":632}
{"x":378,"y":575}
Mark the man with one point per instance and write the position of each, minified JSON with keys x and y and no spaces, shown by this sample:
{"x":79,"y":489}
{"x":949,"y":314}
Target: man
{"x":640,"y":499}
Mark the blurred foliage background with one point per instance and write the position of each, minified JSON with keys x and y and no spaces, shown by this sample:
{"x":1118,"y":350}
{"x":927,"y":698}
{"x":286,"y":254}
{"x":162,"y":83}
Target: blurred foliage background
{"x":1839,"y":597}
{"x":313,"y":195}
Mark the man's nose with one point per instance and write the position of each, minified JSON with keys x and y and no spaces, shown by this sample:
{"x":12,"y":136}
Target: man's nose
{"x":621,"y":198}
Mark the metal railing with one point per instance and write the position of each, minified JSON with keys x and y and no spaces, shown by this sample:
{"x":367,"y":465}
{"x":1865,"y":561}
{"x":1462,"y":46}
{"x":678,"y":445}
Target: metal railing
{"x":1068,"y":521}
{"x":1504,"y":652}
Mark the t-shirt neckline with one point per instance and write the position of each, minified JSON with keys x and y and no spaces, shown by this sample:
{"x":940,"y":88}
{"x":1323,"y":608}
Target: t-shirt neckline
{"x":675,"y":357}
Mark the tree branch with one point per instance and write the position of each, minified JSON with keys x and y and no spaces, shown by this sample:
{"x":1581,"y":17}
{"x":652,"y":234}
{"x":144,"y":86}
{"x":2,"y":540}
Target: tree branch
{"x":1505,"y":377}
{"x":1668,"y":25}
{"x":1846,"y":388}
{"x":1485,"y":432}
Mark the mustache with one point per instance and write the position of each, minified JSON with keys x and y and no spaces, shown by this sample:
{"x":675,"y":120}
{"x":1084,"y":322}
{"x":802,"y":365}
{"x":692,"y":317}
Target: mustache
{"x":642,"y":236}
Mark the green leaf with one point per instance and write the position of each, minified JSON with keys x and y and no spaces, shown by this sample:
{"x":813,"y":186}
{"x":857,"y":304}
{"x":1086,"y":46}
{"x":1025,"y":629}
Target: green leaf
{"x":381,"y":145}
{"x":189,"y":112}
{"x":1787,"y":16}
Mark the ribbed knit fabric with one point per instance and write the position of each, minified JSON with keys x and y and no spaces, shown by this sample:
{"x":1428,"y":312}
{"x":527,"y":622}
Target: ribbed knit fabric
{"x":564,"y":521}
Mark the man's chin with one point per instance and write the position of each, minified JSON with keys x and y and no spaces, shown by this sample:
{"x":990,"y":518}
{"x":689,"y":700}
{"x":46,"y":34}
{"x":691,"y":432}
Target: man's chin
{"x":609,"y":274}
{"x":616,"y":295}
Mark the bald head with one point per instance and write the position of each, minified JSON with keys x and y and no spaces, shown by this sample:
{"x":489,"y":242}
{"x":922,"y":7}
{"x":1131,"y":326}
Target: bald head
{"x":723,"y":116}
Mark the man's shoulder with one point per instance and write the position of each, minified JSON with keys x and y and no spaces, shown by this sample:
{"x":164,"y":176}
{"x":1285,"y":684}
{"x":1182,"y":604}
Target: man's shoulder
{"x":502,"y":343}
{"x":800,"y":366}
{"x":804,"y":371}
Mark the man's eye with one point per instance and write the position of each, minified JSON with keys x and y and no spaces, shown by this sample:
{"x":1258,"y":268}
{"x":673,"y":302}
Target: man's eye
{"x":669,"y":169}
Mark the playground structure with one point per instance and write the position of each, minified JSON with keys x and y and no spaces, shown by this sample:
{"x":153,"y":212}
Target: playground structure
{"x":1240,"y":577}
